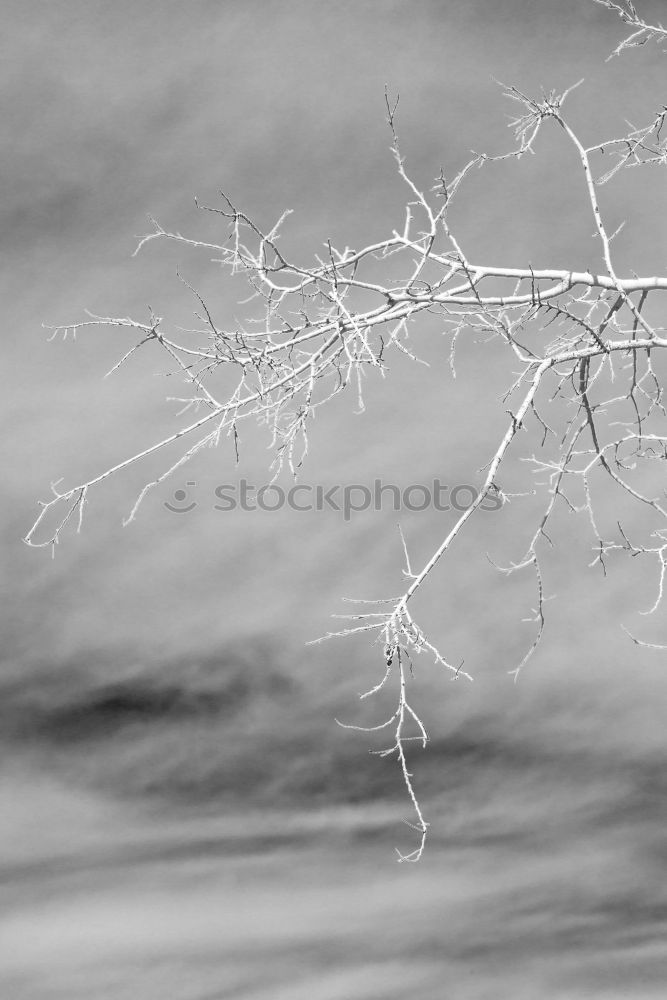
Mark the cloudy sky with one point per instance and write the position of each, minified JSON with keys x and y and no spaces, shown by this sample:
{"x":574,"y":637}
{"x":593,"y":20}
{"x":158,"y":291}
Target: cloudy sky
{"x":116,"y":111}
{"x":546,"y":875}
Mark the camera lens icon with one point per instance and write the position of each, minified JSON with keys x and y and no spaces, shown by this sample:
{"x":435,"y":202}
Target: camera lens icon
{"x":180,"y":496}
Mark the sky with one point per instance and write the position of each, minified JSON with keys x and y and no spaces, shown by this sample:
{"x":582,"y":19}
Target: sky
{"x":181,"y":816}
{"x":116,"y":112}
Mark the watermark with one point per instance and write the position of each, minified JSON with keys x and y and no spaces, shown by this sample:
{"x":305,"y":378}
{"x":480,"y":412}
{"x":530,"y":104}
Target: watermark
{"x":347,"y":499}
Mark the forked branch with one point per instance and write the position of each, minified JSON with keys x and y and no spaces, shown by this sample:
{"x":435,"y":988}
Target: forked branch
{"x":589,"y":370}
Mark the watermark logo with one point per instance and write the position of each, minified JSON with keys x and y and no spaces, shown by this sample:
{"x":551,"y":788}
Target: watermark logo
{"x":347,"y":499}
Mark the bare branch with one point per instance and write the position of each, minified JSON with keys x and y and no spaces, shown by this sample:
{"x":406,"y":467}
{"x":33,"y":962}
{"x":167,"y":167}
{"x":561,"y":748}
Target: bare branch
{"x":583,"y":350}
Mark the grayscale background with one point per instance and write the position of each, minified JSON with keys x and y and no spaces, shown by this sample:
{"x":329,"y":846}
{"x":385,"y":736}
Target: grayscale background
{"x":180,"y":816}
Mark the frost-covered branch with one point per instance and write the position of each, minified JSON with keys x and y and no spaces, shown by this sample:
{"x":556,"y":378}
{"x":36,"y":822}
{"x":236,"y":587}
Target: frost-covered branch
{"x":590,"y":378}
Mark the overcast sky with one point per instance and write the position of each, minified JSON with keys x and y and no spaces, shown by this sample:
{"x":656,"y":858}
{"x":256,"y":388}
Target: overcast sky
{"x":116,"y":111}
